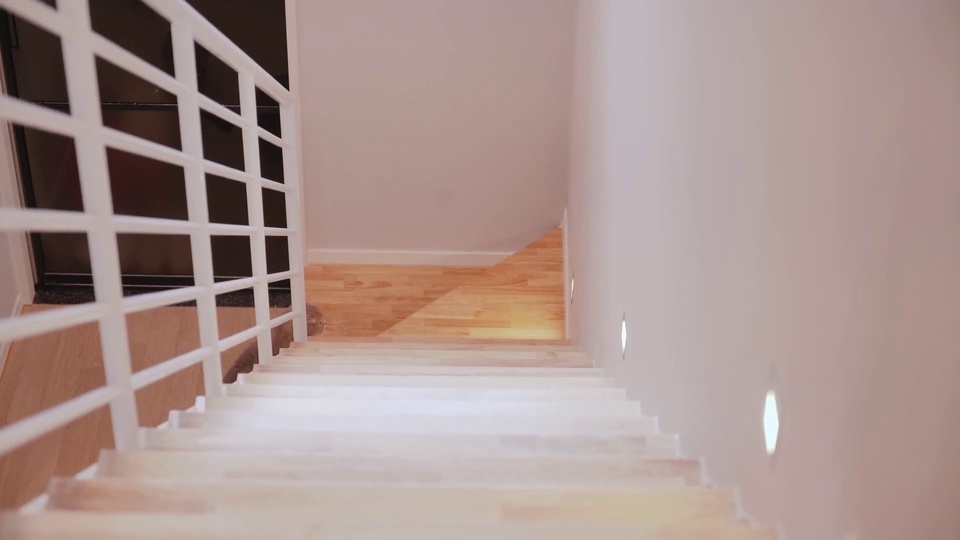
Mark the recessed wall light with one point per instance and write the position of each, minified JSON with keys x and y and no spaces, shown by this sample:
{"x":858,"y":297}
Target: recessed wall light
{"x":771,"y":422}
{"x":571,"y":290}
{"x":623,"y":337}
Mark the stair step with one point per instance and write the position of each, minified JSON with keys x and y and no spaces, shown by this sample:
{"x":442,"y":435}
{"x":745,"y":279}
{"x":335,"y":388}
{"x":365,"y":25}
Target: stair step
{"x":66,"y":525}
{"x":423,"y":407}
{"x":422,"y":381}
{"x":441,"y":357}
{"x":320,"y":504}
{"x":459,"y":394}
{"x":411,"y":445}
{"x":531,"y":425}
{"x":435,"y":343}
{"x":306,"y":365}
{"x":474,"y":471}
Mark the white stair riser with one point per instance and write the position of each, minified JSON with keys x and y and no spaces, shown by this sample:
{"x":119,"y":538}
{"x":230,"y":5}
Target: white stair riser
{"x":518,"y":409}
{"x":281,"y":364}
{"x":258,"y":526}
{"x":345,"y":504}
{"x":523,"y":472}
{"x":416,"y":424}
{"x":415,"y":445}
{"x":452,"y":394}
{"x":408,"y":381}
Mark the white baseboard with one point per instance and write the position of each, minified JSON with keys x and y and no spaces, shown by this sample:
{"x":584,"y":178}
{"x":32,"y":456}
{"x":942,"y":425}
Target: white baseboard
{"x":5,"y":346}
{"x":480,"y":259}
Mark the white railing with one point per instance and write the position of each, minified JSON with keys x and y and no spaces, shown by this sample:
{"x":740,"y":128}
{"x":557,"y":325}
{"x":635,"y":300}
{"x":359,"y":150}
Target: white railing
{"x":81,"y":46}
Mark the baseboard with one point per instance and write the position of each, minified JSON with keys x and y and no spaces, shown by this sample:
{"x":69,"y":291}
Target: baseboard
{"x":5,"y":346}
{"x":480,"y":259}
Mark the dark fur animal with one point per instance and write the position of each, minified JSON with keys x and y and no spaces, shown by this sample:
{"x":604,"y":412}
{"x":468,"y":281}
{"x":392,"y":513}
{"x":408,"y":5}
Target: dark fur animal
{"x":282,"y":337}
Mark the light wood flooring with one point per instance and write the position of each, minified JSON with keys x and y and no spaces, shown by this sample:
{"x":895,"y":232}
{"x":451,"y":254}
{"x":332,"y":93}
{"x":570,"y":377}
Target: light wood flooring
{"x":520,"y":298}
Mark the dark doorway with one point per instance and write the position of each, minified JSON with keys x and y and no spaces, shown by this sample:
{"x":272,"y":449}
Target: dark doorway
{"x":33,"y":71}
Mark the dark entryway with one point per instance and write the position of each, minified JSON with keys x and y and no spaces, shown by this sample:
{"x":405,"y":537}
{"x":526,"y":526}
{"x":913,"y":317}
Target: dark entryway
{"x":33,"y":70}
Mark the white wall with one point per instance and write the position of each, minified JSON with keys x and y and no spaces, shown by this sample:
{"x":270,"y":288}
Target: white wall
{"x":432,"y":125}
{"x":8,"y":285}
{"x":774,"y":188}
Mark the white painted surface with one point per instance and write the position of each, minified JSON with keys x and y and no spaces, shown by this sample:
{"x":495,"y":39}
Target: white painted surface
{"x":434,"y":126}
{"x":762,"y":183}
{"x":83,"y":123}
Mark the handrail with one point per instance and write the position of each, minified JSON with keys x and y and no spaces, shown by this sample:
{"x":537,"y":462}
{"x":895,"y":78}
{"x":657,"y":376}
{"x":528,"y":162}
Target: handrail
{"x":81,"y":46}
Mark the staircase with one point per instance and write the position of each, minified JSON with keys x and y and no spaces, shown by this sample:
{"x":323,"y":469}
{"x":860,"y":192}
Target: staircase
{"x":398,"y":438}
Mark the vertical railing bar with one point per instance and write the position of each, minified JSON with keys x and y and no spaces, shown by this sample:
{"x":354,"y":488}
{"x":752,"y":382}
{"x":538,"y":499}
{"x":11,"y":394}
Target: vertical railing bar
{"x":84,"y":96}
{"x":258,"y":246}
{"x":291,"y":177}
{"x":188,"y":109}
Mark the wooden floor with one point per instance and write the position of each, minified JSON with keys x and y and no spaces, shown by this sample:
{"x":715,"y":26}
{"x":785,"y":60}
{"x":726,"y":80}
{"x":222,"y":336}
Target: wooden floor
{"x":43,"y":371}
{"x":520,"y":298}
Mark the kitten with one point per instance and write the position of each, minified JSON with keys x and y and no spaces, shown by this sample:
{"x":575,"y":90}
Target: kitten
{"x":282,"y":338}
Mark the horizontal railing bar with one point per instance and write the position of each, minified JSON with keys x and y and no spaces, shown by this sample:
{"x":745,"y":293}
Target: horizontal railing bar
{"x":278,"y":231}
{"x":277,"y":321}
{"x":39,"y":14}
{"x":247,"y":282}
{"x":230,"y":173}
{"x":152,"y":374}
{"x":31,"y":115}
{"x":279,"y":276}
{"x":271,"y":138}
{"x":41,"y":423}
{"x":219,"y":110}
{"x":142,"y":147}
{"x":212,"y":39}
{"x":143,"y":302}
{"x":275,"y":186}
{"x":211,"y":167}
{"x":43,"y":220}
{"x":49,"y":320}
{"x":149,"y":225}
{"x":224,"y":287}
{"x":123,"y":58}
{"x":239,"y":337}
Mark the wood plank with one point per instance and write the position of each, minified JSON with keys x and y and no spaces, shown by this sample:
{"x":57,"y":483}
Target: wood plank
{"x":411,"y":445}
{"x":65,"y":525}
{"x":420,"y":424}
{"x":474,"y":471}
{"x":320,"y":504}
{"x":467,"y":410}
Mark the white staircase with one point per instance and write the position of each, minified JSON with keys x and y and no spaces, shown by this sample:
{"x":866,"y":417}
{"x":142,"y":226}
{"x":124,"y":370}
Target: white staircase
{"x":391,"y":440}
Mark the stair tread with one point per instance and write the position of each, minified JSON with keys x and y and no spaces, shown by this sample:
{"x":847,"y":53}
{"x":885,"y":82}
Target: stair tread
{"x":480,"y":471}
{"x":379,"y":407}
{"x":418,"y":358}
{"x":321,"y":504}
{"x":286,"y":364}
{"x":416,"y":423}
{"x":399,"y":444}
{"x":534,"y":353}
{"x":67,"y":525}
{"x":434,"y":381}
{"x":400,"y":393}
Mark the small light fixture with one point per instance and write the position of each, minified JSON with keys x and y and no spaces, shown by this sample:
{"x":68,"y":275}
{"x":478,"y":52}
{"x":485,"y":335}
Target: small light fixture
{"x":571,"y":290}
{"x":771,"y":422}
{"x":623,"y":337}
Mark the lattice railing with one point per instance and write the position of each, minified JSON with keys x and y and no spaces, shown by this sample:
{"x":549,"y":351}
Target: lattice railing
{"x":84,"y":125}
